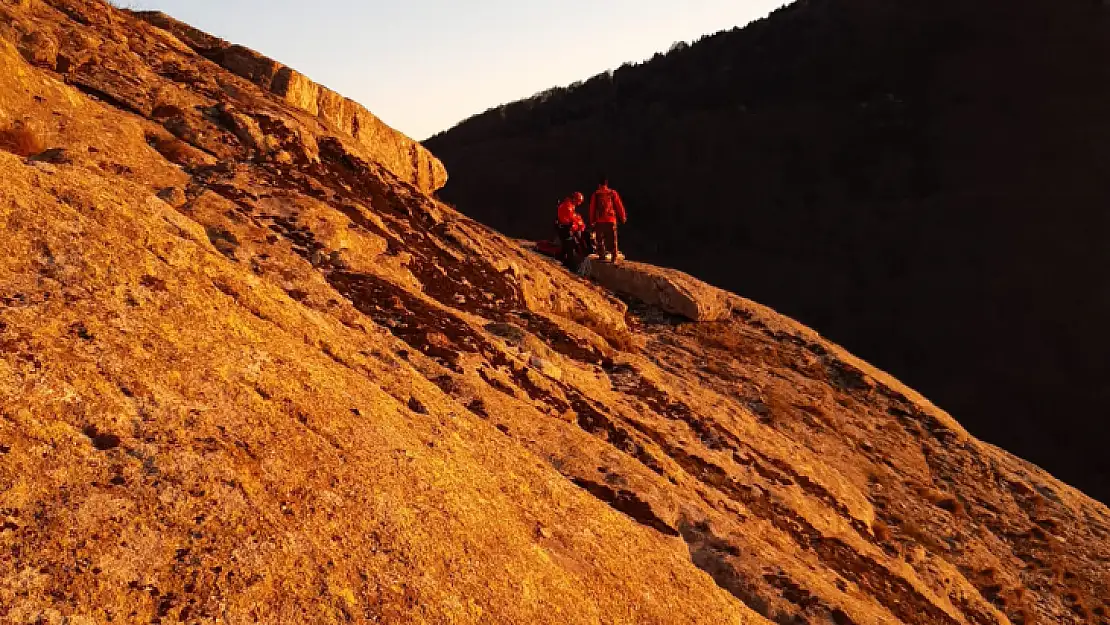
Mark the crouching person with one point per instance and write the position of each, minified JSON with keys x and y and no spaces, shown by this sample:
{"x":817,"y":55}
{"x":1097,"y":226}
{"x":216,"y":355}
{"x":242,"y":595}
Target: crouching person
{"x":571,"y":228}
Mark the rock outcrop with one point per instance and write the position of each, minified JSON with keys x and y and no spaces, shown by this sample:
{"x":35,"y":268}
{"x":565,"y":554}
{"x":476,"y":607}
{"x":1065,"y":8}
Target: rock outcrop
{"x":249,"y":374}
{"x":76,"y":54}
{"x":673,"y":291}
{"x":403,"y":156}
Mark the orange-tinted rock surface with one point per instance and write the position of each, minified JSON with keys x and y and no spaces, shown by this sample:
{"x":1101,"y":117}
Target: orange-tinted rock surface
{"x":250,"y":374}
{"x":400,"y":154}
{"x":669,"y":290}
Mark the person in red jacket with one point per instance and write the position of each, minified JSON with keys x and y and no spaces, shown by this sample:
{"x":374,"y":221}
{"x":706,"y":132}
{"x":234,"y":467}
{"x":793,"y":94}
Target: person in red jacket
{"x":606,"y":209}
{"x":570,"y":227}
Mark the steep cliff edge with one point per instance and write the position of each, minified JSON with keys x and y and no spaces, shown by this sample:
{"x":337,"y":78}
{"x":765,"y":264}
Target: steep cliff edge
{"x":249,"y":374}
{"x":401,"y":155}
{"x":76,"y":55}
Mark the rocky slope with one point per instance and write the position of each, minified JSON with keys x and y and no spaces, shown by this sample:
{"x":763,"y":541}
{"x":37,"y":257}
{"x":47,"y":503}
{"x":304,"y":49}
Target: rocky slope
{"x":249,"y":373}
{"x":923,"y":182}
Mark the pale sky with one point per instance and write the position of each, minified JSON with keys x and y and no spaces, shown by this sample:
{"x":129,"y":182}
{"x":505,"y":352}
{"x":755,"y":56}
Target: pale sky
{"x":425,"y":65}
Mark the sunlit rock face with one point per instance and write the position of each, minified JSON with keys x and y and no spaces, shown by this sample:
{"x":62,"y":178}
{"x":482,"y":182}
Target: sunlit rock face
{"x":250,"y":372}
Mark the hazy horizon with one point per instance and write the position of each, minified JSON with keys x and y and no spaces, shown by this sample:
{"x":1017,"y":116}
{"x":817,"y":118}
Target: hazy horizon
{"x":425,"y":65}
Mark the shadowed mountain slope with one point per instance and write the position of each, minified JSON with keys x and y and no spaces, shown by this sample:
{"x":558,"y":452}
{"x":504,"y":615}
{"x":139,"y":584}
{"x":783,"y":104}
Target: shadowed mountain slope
{"x":922,"y":181}
{"x":251,"y":374}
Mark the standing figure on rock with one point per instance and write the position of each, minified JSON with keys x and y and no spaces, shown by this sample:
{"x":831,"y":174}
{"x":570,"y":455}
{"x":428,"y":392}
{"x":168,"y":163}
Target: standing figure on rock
{"x":606,"y":208}
{"x":571,"y":228}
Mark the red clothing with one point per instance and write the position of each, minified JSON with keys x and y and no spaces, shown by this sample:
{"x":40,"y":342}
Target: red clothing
{"x":566,"y":212}
{"x":606,"y":207}
{"x":568,"y":216}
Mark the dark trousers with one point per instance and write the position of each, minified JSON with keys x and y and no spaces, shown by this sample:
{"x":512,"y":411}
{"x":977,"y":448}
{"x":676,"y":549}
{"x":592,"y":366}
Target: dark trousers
{"x":606,"y":239}
{"x":571,"y":246}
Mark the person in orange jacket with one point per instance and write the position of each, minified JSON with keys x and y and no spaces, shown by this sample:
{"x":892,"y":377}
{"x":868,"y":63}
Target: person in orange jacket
{"x":606,"y":209}
{"x":570,"y":227}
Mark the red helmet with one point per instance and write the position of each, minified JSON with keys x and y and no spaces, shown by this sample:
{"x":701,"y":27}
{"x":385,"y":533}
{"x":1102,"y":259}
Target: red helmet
{"x":578,"y":197}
